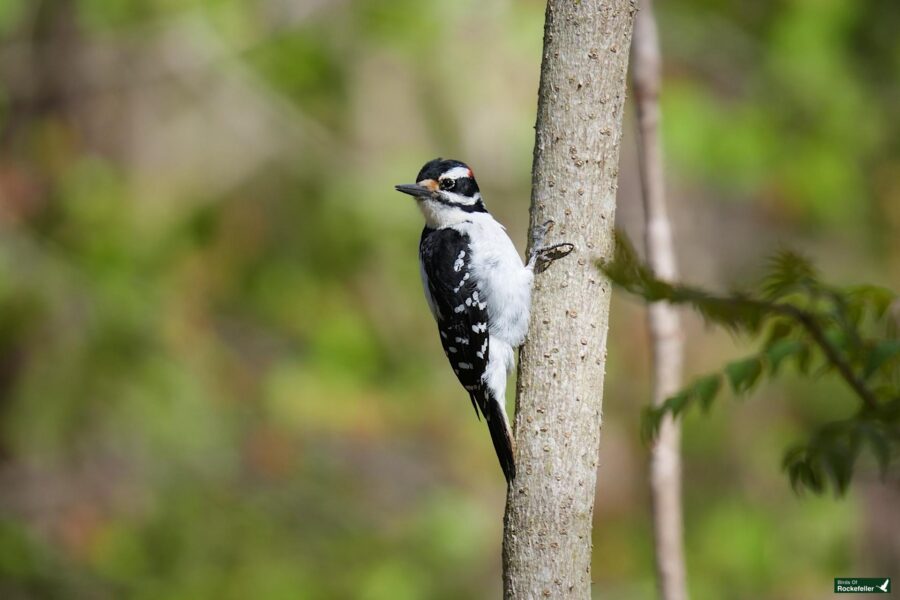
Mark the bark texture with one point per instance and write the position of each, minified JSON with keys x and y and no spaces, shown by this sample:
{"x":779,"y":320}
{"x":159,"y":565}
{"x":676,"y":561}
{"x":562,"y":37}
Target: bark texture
{"x":666,"y":337}
{"x":547,"y":534}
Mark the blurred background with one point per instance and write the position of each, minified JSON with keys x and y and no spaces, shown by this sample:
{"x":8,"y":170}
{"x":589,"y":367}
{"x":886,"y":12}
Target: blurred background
{"x":218,"y":376}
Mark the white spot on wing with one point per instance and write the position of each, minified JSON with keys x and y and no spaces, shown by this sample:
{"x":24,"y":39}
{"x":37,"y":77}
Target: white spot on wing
{"x":459,"y":261}
{"x":461,"y":283}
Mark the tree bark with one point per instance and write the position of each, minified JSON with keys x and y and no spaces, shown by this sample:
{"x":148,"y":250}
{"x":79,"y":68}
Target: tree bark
{"x":547,"y":528}
{"x":665,"y":328}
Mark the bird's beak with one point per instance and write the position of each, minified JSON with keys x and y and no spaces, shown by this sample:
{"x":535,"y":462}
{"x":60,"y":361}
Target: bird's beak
{"x":414,"y":189}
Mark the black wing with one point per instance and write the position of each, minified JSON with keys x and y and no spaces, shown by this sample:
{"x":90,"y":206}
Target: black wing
{"x":462,"y":320}
{"x":461,"y":314}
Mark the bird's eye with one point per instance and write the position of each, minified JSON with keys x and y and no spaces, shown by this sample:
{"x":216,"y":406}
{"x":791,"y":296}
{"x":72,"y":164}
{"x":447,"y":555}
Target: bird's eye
{"x":448,"y":184}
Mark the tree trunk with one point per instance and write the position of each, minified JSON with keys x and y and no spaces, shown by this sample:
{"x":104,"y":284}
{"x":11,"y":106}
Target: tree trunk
{"x":665,"y":328}
{"x":547,"y":535}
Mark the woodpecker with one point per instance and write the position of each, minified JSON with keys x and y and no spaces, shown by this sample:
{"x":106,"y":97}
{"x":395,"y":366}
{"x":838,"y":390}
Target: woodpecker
{"x":477,"y":288}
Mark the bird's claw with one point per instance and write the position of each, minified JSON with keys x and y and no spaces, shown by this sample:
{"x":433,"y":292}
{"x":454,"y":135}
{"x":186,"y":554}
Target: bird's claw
{"x":542,"y":256}
{"x":555,"y":252}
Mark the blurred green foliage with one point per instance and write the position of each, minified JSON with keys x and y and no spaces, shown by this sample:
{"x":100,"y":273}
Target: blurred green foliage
{"x":849,"y":333}
{"x":218,"y":378}
{"x":792,"y":80}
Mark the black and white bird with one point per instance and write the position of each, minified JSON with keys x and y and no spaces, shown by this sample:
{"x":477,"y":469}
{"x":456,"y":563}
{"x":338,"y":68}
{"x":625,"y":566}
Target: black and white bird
{"x":477,"y":287}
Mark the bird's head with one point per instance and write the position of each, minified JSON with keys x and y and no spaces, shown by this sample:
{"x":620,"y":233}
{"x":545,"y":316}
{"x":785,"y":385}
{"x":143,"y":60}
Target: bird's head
{"x":446,"y":191}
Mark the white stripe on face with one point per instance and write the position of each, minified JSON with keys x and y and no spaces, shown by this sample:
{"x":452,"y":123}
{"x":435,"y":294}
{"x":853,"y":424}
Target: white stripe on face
{"x":460,"y":199}
{"x":456,"y":173}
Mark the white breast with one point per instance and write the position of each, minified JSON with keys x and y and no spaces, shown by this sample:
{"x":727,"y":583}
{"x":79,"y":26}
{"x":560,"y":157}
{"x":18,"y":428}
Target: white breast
{"x":503,"y":280}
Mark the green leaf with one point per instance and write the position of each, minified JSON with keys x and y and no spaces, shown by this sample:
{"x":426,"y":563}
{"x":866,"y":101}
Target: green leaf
{"x":804,"y":469}
{"x":781,"y":349}
{"x":788,"y":273}
{"x":881,"y":448}
{"x":678,"y":403}
{"x":879,"y":355}
{"x":651,"y":419}
{"x":848,"y":309}
{"x":792,"y":458}
{"x":877,"y":298}
{"x":743,"y":374}
{"x":803,"y":359}
{"x":779,"y":330}
{"x":840,"y":461}
{"x":702,"y":390}
{"x":705,"y":390}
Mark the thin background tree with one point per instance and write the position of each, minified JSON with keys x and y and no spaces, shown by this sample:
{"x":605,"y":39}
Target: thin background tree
{"x":666,"y":336}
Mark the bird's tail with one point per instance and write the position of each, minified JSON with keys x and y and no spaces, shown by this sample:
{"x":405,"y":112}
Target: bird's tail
{"x":501,"y":434}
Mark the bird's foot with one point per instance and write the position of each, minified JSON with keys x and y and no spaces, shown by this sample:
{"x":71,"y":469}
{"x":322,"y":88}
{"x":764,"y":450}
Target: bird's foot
{"x":543,"y":256}
{"x":547,"y":255}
